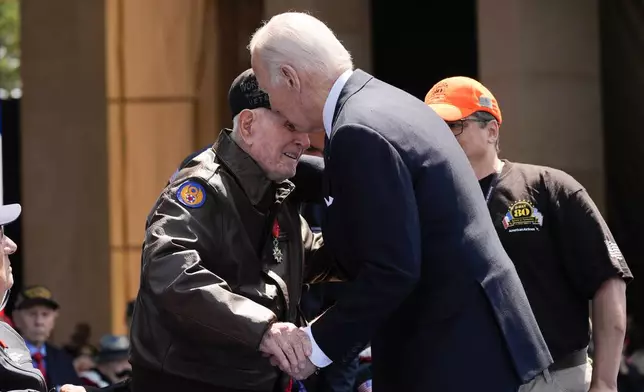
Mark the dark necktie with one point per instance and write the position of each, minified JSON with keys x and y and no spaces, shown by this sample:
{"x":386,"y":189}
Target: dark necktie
{"x":40,"y":363}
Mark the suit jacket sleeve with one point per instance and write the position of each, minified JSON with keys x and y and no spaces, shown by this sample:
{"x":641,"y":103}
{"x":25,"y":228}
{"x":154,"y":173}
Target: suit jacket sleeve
{"x":123,"y":386}
{"x":60,"y":367}
{"x":193,"y":300}
{"x":319,"y":263}
{"x":375,"y":227}
{"x":308,"y":180}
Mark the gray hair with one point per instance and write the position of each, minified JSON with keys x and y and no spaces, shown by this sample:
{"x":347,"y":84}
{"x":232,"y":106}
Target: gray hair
{"x":484,"y":118}
{"x":302,"y":41}
{"x":234,"y":134}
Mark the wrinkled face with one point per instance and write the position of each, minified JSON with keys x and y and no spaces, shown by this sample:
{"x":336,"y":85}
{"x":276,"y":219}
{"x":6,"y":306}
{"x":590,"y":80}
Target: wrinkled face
{"x":7,"y":247}
{"x":273,"y":142}
{"x":285,"y":99}
{"x":35,"y":323}
{"x":473,"y":135}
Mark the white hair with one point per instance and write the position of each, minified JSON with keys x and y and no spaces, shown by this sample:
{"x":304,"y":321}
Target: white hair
{"x":301,"y":41}
{"x":234,"y":134}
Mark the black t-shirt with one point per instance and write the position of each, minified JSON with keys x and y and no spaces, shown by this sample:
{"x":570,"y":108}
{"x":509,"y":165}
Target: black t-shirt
{"x":562,"y":248}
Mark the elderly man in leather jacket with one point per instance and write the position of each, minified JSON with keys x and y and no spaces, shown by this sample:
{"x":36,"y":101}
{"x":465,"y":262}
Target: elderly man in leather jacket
{"x":224,"y":259}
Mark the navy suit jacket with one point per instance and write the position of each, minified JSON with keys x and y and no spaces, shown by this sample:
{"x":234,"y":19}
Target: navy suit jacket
{"x":60,"y":368}
{"x":433,"y":289}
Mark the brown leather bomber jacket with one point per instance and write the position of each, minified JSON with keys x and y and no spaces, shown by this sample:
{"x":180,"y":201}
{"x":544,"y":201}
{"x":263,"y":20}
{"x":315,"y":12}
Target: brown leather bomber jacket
{"x":210,"y":283}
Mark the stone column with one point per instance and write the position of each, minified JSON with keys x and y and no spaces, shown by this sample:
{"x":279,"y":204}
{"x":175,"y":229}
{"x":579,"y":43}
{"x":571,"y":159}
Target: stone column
{"x":540,"y":58}
{"x":65,"y":159}
{"x":116,"y":94}
{"x":161,"y":105}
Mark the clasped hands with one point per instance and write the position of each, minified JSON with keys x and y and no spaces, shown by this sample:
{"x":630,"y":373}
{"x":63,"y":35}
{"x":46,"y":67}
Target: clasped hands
{"x":288,"y":347}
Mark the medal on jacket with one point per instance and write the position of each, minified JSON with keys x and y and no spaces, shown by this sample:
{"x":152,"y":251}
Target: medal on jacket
{"x":277,"y":252}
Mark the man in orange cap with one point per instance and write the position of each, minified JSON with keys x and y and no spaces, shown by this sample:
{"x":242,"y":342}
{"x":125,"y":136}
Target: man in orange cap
{"x":551,"y":229}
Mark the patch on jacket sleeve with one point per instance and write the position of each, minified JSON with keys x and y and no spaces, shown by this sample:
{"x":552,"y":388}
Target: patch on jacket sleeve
{"x":191,"y":194}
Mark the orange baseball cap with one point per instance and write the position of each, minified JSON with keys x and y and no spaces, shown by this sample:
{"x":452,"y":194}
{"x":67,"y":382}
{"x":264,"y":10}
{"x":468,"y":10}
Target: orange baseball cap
{"x":458,"y":97}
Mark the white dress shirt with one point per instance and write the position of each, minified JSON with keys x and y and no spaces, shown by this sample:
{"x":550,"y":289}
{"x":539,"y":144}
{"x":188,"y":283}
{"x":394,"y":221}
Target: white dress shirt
{"x":332,"y":101}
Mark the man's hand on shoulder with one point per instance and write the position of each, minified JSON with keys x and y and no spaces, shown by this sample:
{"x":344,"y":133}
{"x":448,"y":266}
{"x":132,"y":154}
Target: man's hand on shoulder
{"x":288,"y":347}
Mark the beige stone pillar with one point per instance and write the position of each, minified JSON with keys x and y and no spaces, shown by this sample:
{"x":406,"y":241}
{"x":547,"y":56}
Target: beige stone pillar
{"x":116,"y":94}
{"x":64,"y":159}
{"x":170,"y":65}
{"x":541,"y":60}
{"x":236,"y":21}
{"x":161,"y":87}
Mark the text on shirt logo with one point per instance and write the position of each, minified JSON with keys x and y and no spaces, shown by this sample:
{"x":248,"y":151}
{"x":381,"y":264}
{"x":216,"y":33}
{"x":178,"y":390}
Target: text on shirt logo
{"x":522,"y":216}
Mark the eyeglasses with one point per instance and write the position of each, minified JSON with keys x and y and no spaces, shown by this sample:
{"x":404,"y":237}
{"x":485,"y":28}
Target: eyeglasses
{"x":458,"y":126}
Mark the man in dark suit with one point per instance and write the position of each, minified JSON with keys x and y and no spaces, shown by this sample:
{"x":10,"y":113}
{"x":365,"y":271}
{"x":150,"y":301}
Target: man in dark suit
{"x":35,"y":314}
{"x":432,"y":287}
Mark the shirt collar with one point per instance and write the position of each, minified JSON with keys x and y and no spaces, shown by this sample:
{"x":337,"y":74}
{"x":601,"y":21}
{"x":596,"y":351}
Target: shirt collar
{"x":332,"y":101}
{"x":33,"y":349}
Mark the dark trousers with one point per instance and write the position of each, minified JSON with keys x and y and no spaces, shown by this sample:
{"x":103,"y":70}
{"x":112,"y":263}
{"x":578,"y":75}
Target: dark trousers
{"x":336,"y":377}
{"x":146,"y":380}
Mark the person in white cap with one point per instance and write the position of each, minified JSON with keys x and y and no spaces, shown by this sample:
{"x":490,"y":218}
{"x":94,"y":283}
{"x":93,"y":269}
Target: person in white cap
{"x":16,"y":368}
{"x":17,"y":372}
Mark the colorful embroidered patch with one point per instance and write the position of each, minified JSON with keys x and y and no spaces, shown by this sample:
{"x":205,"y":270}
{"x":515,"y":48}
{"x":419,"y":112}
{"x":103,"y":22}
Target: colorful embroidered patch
{"x":522,"y":216}
{"x":191,"y":194}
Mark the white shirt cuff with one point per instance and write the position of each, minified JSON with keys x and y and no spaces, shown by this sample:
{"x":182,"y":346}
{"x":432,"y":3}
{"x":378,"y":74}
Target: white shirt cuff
{"x":317,"y":357}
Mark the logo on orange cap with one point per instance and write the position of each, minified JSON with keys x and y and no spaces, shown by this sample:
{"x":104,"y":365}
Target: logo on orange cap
{"x":458,"y":97}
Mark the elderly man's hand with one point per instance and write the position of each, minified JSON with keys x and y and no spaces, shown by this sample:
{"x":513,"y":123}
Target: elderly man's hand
{"x":306,"y":371}
{"x":302,"y":373}
{"x":71,"y":388}
{"x":288,"y":347}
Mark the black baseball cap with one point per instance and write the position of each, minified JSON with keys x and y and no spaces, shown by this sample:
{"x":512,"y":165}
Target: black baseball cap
{"x":35,"y":295}
{"x":245,"y":93}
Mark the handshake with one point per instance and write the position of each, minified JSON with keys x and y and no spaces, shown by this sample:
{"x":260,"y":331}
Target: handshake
{"x":288,"y":347}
